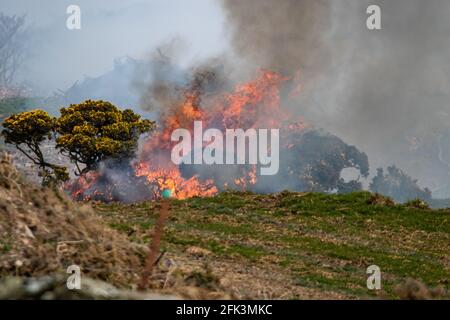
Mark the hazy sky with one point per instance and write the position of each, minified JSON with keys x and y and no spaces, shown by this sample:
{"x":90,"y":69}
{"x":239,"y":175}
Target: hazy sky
{"x":111,"y":29}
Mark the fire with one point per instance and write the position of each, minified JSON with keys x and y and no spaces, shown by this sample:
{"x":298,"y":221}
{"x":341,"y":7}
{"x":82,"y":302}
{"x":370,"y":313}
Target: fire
{"x":255,"y":104}
{"x":170,"y":178}
{"x":247,"y":179}
{"x":85,"y":187}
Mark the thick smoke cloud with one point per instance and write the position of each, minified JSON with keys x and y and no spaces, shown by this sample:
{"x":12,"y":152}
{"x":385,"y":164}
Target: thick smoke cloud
{"x":280,"y":35}
{"x":386,"y":91}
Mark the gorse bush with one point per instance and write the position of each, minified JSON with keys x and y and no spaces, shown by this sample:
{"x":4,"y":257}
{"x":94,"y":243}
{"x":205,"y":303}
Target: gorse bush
{"x":86,"y":133}
{"x":27,"y":131}
{"x":93,"y":131}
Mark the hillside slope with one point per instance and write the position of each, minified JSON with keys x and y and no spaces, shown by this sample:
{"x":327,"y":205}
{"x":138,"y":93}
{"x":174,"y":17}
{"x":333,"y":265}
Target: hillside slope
{"x":299,"y":245}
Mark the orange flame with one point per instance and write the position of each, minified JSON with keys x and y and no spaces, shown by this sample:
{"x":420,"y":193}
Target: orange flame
{"x":255,"y":104}
{"x":170,"y":178}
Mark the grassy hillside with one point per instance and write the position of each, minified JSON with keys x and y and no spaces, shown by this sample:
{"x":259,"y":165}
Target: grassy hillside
{"x":293,"y":245}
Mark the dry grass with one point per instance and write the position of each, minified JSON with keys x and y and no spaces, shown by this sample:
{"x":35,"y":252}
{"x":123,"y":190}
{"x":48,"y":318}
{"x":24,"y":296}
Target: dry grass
{"x":43,"y":232}
{"x":379,"y":200}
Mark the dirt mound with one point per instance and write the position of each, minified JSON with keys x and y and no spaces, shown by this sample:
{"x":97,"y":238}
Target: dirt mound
{"x":43,"y":232}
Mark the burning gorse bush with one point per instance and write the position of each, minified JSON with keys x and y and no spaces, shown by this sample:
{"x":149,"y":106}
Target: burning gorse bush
{"x":309,"y":158}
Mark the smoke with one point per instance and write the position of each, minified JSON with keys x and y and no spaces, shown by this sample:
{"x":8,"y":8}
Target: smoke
{"x":280,"y":35}
{"x":386,"y":91}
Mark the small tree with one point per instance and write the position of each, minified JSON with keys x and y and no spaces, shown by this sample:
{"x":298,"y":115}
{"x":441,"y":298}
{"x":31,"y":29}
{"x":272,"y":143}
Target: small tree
{"x":93,"y":131}
{"x":87,"y":133}
{"x":27,"y":131}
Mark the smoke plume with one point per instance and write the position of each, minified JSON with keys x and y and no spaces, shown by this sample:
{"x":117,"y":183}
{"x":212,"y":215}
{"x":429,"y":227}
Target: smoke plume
{"x":386,"y":91}
{"x":280,"y":35}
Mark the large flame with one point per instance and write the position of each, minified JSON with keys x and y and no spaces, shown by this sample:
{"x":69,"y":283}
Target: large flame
{"x":255,"y":104}
{"x":170,"y":178}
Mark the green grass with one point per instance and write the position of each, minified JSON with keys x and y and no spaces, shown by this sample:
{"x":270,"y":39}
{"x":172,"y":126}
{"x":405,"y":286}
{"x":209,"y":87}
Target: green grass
{"x":324,"y":242}
{"x":5,"y":247}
